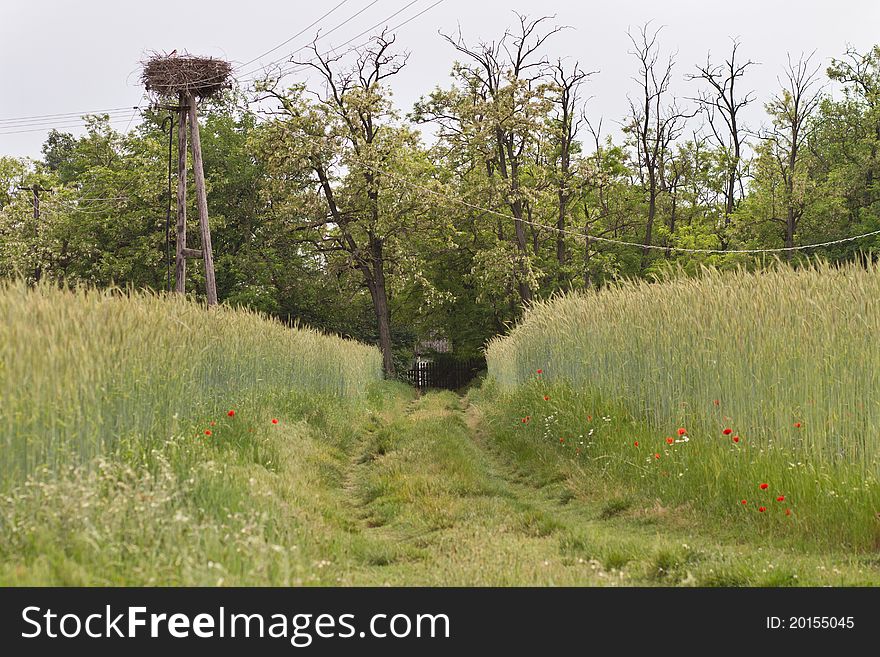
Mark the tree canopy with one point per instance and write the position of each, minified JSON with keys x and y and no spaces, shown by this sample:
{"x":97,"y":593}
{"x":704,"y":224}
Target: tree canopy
{"x":331,"y":206}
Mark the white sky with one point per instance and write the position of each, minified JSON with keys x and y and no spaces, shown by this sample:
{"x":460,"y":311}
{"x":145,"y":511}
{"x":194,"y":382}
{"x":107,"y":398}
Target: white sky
{"x":60,"y":56}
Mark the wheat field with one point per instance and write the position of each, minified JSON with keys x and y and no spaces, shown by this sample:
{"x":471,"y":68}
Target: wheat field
{"x":82,"y":370}
{"x":774,"y":376}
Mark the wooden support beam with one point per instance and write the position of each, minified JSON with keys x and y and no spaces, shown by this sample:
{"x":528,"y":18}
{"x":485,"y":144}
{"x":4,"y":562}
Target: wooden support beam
{"x":202,"y":199}
{"x":180,"y":262}
{"x":192,"y":253}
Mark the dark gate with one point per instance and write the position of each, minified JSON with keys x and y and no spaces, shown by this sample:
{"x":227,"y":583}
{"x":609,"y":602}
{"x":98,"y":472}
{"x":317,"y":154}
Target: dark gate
{"x":444,"y":373}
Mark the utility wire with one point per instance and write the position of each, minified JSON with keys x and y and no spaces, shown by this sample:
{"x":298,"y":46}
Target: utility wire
{"x":300,"y":68}
{"x":74,"y":114}
{"x":303,"y":66}
{"x":290,"y":54}
{"x":609,"y":240}
{"x":32,"y":123}
{"x":326,"y":34}
{"x":64,"y":125}
{"x":298,"y":34}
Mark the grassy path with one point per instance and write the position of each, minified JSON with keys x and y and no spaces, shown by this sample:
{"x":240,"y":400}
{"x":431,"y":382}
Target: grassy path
{"x":445,"y":503}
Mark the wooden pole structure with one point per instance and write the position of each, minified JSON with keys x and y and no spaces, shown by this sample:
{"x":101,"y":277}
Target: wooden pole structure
{"x":35,"y":190}
{"x":189,"y":78}
{"x":202,"y":199}
{"x":180,"y":262}
{"x":38,"y":270}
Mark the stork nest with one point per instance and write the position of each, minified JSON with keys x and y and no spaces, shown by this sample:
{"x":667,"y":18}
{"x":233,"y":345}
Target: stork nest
{"x":200,"y":76}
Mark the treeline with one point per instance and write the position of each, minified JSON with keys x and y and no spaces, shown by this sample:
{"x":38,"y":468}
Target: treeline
{"x":328,"y":205}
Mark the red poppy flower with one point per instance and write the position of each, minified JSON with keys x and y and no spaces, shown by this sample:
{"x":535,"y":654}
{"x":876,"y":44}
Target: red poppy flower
{"x":589,"y":418}
{"x":207,"y":432}
{"x":764,"y":486}
{"x":743,"y":502}
{"x":656,"y":456}
{"x":546,"y":398}
{"x":636,"y":443}
{"x":781,"y":498}
{"x":727,"y":431}
{"x":523,"y":420}
{"x":231,"y":413}
{"x":562,"y":440}
{"x":274,"y":420}
{"x":736,"y":439}
{"x":788,"y":512}
{"x":669,"y":441}
{"x":797,"y":425}
{"x":213,"y":423}
{"x":762,"y":509}
{"x":682,"y":431}
{"x":716,"y":402}
{"x":540,"y":371}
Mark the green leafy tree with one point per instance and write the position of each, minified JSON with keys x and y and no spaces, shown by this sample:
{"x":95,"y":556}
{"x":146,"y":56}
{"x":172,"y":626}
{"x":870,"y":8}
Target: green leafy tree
{"x":330,"y":159}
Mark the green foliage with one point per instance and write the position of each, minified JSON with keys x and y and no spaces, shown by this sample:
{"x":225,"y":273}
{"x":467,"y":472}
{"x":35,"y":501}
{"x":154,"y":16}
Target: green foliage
{"x":439,"y":217}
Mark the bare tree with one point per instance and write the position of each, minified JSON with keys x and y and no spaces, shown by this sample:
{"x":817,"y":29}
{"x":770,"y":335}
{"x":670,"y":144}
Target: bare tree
{"x":655,"y":120}
{"x":568,"y":121}
{"x":601,"y":197}
{"x":791,"y":110}
{"x":508,"y":77}
{"x":722,"y":106}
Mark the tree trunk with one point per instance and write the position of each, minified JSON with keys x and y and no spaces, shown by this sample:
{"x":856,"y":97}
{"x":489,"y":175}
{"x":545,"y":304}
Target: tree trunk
{"x":512,"y":177}
{"x":560,"y":227}
{"x":649,"y":227}
{"x":587,"y":281}
{"x":790,"y":227}
{"x":525,"y":292}
{"x":379,"y":294}
{"x":672,"y":218}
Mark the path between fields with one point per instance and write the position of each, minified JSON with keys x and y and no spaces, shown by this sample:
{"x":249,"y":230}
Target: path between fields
{"x":430,"y":487}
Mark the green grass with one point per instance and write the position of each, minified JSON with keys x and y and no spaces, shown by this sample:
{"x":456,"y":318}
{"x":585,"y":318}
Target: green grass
{"x":787,"y":360}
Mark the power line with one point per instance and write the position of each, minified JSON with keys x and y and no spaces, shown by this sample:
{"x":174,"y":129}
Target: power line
{"x":63,"y":114}
{"x":35,"y":123}
{"x":49,"y":119}
{"x":127,"y":128}
{"x":30,"y":123}
{"x":609,"y":240}
{"x":290,"y":54}
{"x":300,"y":67}
{"x":298,"y":34}
{"x":325,"y":35}
{"x":61,"y":125}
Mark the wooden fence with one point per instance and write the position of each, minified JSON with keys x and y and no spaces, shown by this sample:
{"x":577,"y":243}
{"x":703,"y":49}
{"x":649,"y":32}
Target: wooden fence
{"x":446,"y":374}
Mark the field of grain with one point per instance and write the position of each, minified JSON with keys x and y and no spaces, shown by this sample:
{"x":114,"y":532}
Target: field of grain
{"x":82,"y":371}
{"x":148,"y":439}
{"x":744,"y":378}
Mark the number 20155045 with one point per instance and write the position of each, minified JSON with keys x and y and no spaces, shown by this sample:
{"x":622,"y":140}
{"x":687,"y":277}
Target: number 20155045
{"x":810,"y":622}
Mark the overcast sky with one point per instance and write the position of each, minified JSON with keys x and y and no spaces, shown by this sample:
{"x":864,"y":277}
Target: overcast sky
{"x":60,"y":56}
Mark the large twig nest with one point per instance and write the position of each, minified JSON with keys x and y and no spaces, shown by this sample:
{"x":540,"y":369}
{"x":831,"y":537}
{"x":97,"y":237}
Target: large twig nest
{"x":168,"y":75}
